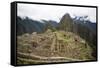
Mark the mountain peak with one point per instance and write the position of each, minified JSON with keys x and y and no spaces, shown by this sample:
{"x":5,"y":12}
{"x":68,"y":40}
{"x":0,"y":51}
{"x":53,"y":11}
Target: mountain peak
{"x":66,"y":22}
{"x":67,"y":16}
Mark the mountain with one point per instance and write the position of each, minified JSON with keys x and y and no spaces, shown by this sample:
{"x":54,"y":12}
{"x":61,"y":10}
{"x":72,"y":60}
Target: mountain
{"x":28,"y":25}
{"x":91,"y":25}
{"x":53,"y":23}
{"x":85,"y":29}
{"x":47,"y":41}
{"x":66,"y":23}
{"x":50,"y":22}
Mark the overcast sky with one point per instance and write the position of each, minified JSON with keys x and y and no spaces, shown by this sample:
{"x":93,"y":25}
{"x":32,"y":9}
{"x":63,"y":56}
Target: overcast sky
{"x":49,"y":12}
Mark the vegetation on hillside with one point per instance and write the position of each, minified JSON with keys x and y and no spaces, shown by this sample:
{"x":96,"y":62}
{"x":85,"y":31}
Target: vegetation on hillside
{"x":48,"y":42}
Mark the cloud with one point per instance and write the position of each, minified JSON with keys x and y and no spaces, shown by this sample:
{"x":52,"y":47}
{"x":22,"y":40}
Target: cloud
{"x":54,"y":12}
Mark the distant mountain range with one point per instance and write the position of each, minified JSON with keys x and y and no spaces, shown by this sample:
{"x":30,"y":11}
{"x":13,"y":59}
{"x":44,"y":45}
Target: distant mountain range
{"x":28,"y":25}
